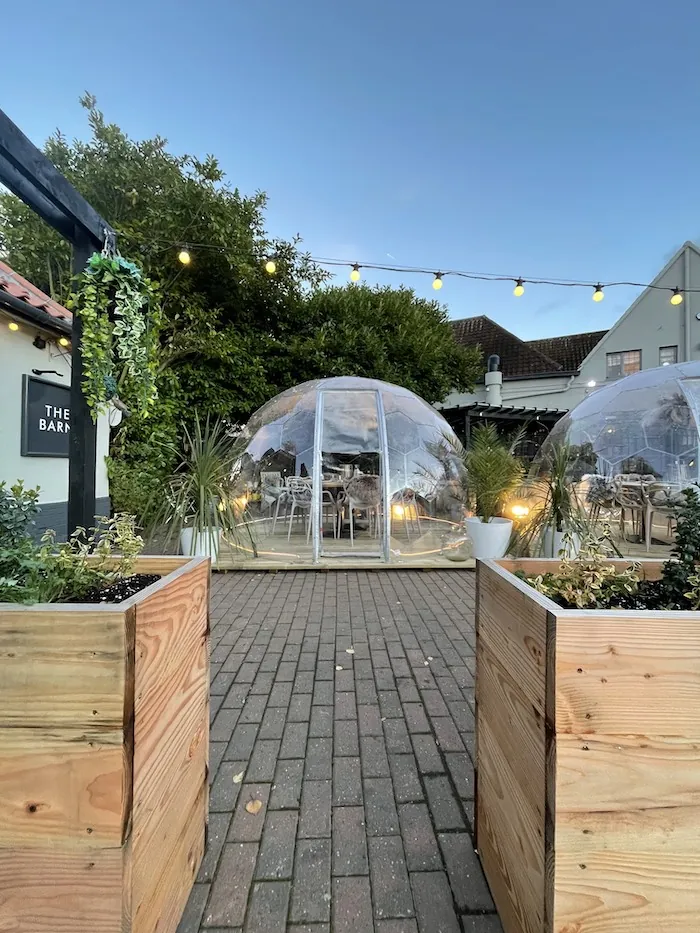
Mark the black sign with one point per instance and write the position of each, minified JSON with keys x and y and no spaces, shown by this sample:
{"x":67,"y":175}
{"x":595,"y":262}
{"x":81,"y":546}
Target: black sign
{"x":45,"y":418}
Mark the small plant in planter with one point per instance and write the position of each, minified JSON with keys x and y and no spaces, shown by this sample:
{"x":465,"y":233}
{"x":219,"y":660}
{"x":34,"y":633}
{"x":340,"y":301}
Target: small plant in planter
{"x":592,"y":582}
{"x":494,"y":473}
{"x":94,"y":565}
{"x":200,"y":505}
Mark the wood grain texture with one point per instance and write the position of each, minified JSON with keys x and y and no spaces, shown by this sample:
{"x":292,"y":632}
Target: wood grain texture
{"x":61,"y":891}
{"x":628,"y":673}
{"x":61,"y":787}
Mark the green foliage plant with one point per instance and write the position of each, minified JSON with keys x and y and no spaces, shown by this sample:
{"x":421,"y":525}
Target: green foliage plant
{"x":685,"y":556}
{"x":493,"y":471}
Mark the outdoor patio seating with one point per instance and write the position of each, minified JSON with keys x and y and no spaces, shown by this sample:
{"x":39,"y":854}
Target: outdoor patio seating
{"x":362,"y":494}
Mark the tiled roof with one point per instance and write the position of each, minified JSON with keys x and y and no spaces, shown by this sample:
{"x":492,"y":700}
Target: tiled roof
{"x":569,"y":351}
{"x":525,"y":357}
{"x":17,"y":286}
{"x":517,"y":357}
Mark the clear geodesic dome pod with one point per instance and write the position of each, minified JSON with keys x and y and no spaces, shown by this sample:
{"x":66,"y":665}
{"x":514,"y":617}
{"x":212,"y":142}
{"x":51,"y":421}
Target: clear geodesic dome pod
{"x":348,"y":467}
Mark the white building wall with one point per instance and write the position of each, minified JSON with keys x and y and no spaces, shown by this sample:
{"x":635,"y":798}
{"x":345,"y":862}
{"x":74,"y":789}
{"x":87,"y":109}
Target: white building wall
{"x":18,"y":357}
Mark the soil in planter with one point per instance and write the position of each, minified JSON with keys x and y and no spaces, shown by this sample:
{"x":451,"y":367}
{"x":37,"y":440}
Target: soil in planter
{"x":119,"y":591}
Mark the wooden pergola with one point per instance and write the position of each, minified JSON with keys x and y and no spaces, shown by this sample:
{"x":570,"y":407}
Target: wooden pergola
{"x":27,"y":172}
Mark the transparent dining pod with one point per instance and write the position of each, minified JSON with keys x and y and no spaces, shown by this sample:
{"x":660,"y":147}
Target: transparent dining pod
{"x":347,"y":469}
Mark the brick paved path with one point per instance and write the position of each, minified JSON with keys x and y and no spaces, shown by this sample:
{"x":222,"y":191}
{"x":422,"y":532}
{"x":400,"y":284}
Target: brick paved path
{"x":361,"y":760}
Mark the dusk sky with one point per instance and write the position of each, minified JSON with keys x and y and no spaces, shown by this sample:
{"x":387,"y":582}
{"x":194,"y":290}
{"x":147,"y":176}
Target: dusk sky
{"x":541,"y":139}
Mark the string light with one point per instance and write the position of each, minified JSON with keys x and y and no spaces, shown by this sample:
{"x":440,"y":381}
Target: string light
{"x":437,"y":281}
{"x":598,"y":293}
{"x":63,"y":341}
{"x":519,"y":288}
{"x":677,"y":296}
{"x":355,"y":273}
{"x":184,"y":257}
{"x":13,"y":325}
{"x":271,"y":266}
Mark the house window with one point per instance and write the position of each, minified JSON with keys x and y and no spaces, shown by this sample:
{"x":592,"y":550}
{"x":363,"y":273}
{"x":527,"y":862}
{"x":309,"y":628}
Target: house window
{"x":623,"y":363}
{"x":668,"y":355}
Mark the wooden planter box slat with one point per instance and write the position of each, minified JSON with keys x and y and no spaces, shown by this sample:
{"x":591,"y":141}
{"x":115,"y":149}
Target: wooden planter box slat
{"x":588,"y":761}
{"x":104,"y":720}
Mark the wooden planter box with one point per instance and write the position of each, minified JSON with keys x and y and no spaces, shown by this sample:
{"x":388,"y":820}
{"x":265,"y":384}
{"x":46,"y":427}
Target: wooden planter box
{"x":588,"y":761}
{"x":104,"y":719}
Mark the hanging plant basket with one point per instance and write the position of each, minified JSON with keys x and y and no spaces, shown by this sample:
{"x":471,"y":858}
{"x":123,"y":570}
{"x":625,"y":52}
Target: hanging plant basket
{"x":118,"y":310}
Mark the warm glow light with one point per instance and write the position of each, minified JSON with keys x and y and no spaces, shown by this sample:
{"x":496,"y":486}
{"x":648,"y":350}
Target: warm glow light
{"x":519,"y":288}
{"x":591,"y":383}
{"x":355,"y":274}
{"x":13,"y":325}
{"x":271,"y":266}
{"x":241,"y":502}
{"x":437,"y":281}
{"x":519,"y":510}
{"x":598,"y":293}
{"x":397,"y":511}
{"x":676,"y":297}
{"x":63,"y":341}
{"x":184,"y":257}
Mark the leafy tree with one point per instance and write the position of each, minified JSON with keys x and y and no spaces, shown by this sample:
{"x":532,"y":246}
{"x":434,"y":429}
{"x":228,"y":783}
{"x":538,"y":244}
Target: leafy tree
{"x":232,"y":335}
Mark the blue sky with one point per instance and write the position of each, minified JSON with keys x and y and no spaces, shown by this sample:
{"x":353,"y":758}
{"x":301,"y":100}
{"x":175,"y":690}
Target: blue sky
{"x":544,"y":138}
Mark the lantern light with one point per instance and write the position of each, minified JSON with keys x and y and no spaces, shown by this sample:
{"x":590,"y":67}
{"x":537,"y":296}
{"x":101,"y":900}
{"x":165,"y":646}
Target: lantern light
{"x":677,"y":296}
{"x":355,"y":273}
{"x":184,"y":257}
{"x":519,"y":288}
{"x":271,"y":266}
{"x":437,"y":281}
{"x":598,"y":293}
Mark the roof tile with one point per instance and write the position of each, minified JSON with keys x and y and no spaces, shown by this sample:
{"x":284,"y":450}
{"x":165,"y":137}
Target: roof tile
{"x":17,"y":286}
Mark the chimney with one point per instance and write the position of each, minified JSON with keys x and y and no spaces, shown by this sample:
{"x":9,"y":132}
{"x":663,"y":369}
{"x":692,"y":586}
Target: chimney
{"x":494,"y":381}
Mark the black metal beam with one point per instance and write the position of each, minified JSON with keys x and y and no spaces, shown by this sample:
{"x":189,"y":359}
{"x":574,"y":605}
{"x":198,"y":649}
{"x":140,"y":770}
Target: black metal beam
{"x":40,"y":182}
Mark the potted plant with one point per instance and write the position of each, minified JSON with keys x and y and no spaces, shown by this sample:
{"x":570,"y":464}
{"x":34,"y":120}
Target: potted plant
{"x":493,"y":474}
{"x":557,"y":520}
{"x":200,"y":506}
{"x":587,"y":735}
{"x":104,"y":714}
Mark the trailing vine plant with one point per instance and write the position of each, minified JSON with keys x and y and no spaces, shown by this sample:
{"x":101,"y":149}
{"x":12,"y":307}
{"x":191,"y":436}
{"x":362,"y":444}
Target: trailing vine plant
{"x":118,"y":309}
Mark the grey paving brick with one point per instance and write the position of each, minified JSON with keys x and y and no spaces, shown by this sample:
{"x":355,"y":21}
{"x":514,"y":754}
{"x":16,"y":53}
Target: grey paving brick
{"x":434,"y":908}
{"x":280,"y":695}
{"x":248,"y":827}
{"x":294,"y":740}
{"x":397,"y":738}
{"x":268,"y":908}
{"x":221,"y":683}
{"x":299,"y":708}
{"x":366,"y":692}
{"x":321,"y":725}
{"x":352,"y":906}
{"x":369,"y":720}
{"x":194,"y":910}
{"x":307,"y":661}
{"x":447,"y":735}
{"x":224,"y":724}
{"x":217,"y":831}
{"x":345,"y":739}
{"x":463,"y":716}
{"x":311,"y":891}
{"x":286,"y":788}
{"x":323,"y":693}
{"x":380,"y":808}
{"x":416,"y":720}
{"x":270,"y":662}
{"x":390,"y":885}
{"x":276,"y":857}
{"x":263,"y":761}
{"x":263,"y":682}
{"x":373,"y":756}
{"x":408,"y":691}
{"x":467,"y":880}
{"x":345,"y":679}
{"x":384,"y":679}
{"x":229,"y":892}
{"x":345,"y":706}
{"x":419,"y":842}
{"x":363,"y":669}
{"x":407,"y":786}
{"x":349,"y":841}
{"x":240,"y":748}
{"x":217,"y":751}
{"x":434,"y":703}
{"x":304,"y":682}
{"x":443,"y":806}
{"x":224,"y":793}
{"x":406,"y":925}
{"x":462,"y":772}
{"x":308,"y":928}
{"x":315,"y":819}
{"x":389,"y":704}
{"x":427,"y":754}
{"x":347,"y":784}
{"x":325,"y":670}
{"x":246,"y":673}
{"x":272,"y":726}
{"x":481,"y":923}
{"x":319,"y":758}
{"x":286,"y":671}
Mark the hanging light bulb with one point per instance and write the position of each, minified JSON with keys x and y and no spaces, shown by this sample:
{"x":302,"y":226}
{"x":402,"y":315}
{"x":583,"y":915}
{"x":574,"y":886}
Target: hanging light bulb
{"x":598,"y":293}
{"x":271,"y":266}
{"x":437,"y":281}
{"x":13,"y":325}
{"x":677,"y":296}
{"x":63,"y":341}
{"x":519,"y":288}
{"x":355,"y":274}
{"x":184,"y":257}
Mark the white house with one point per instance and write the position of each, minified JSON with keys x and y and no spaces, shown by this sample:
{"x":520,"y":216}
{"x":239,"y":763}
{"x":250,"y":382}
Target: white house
{"x":35,"y":367}
{"x":543,"y":379}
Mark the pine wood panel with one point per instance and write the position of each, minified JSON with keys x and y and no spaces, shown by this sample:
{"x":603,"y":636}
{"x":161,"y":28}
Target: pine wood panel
{"x":57,"y":890}
{"x":628,"y":673}
{"x":61,"y":784}
{"x":62,"y":666}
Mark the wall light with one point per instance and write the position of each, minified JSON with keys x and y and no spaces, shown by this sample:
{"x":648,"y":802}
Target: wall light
{"x":63,"y":342}
{"x":39,"y":342}
{"x":13,"y":325}
{"x":591,"y":383}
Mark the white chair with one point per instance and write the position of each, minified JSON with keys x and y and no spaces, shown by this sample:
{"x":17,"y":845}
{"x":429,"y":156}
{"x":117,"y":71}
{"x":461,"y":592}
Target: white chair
{"x":271,"y":488}
{"x":300,"y":493}
{"x":362,"y":494}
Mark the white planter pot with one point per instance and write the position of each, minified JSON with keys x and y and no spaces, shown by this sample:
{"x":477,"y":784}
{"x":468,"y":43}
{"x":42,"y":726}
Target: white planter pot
{"x":553,"y":544}
{"x":205,"y":544}
{"x":490,"y":539}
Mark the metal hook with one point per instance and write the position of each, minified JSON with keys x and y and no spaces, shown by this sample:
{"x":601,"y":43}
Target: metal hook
{"x":110,"y":246}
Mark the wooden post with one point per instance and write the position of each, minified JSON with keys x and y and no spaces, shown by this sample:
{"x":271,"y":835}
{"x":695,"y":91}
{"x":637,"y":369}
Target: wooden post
{"x":82,"y":449}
